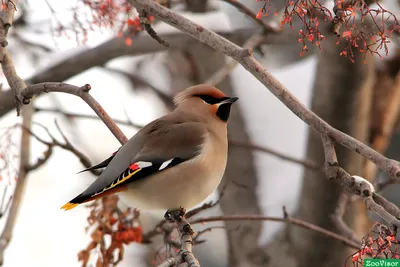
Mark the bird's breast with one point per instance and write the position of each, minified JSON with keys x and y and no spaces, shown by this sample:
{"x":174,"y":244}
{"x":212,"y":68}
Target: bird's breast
{"x":186,"y":184}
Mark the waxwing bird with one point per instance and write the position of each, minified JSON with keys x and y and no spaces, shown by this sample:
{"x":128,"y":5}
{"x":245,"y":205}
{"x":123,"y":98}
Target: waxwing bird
{"x":176,"y":160}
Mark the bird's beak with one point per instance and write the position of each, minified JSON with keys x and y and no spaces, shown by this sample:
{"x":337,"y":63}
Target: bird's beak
{"x":230,"y":100}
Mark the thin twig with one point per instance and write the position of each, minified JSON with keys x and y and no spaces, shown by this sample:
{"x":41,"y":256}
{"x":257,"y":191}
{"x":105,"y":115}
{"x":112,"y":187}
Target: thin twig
{"x":359,"y":186}
{"x":253,"y":16}
{"x":86,"y":116}
{"x":82,"y":92}
{"x":25,"y":145}
{"x":163,"y":228}
{"x":201,"y":232}
{"x":186,"y":232}
{"x":288,"y":219}
{"x":338,"y":215}
{"x":66,"y":145}
{"x":144,"y":21}
{"x":40,"y":161}
{"x":339,"y":10}
{"x":3,"y":209}
{"x":306,"y":163}
{"x":115,"y":47}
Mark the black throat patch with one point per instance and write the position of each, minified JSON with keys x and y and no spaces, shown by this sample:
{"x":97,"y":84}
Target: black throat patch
{"x":224,"y":111}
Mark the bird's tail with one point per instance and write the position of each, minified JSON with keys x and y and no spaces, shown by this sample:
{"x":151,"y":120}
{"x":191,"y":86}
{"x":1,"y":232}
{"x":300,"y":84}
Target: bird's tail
{"x":69,"y":206}
{"x":84,"y":197}
{"x":75,"y":202}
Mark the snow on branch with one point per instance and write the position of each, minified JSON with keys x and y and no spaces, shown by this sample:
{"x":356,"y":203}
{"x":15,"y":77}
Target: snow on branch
{"x":359,"y":186}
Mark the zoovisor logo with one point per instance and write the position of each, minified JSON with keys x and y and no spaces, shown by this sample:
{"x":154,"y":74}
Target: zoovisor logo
{"x":381,"y":262}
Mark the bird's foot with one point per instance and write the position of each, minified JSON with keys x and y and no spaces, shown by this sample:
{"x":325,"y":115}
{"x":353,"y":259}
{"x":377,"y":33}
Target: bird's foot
{"x":175,"y":214}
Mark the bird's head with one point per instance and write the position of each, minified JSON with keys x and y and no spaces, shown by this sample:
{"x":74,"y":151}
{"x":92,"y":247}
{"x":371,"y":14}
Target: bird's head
{"x":205,"y":100}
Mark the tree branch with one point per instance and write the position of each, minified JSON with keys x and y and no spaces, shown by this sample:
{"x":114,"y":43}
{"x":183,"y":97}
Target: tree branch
{"x":82,"y":92}
{"x":40,"y":161}
{"x":286,"y":219}
{"x":14,"y":81}
{"x":6,"y":235}
{"x":85,"y":116}
{"x":145,"y":22}
{"x":359,"y":186}
{"x":338,"y":215}
{"x":306,"y":163}
{"x":277,"y":88}
{"x":253,"y":16}
{"x":185,"y":254}
{"x":116,"y":47}
{"x":66,"y":145}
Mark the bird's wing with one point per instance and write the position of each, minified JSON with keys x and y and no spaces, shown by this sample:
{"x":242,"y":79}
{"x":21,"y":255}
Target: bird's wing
{"x":102,"y":164}
{"x":160,"y":145}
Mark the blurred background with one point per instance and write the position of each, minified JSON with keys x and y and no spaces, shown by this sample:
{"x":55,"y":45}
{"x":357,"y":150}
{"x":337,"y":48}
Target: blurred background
{"x":134,"y":81}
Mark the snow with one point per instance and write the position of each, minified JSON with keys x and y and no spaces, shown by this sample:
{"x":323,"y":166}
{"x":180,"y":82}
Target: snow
{"x":360,"y":180}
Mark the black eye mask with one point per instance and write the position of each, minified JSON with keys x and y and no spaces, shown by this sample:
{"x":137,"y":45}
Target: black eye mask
{"x":212,"y":100}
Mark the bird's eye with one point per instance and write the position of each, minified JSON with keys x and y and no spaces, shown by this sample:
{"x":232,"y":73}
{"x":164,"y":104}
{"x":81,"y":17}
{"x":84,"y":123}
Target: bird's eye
{"x":212,"y":100}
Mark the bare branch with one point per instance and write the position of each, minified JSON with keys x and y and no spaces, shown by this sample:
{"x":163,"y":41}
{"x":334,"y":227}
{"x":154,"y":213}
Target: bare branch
{"x":82,"y":92}
{"x":219,"y":43}
{"x":144,"y":44}
{"x":145,"y":22}
{"x":253,"y":16}
{"x":306,"y":163}
{"x":6,"y":235}
{"x":6,"y":20}
{"x":196,"y":239}
{"x":66,"y":145}
{"x":287,"y":219}
{"x":359,"y":186}
{"x":41,"y":161}
{"x":388,"y":206}
{"x":337,"y":218}
{"x":3,"y":209}
{"x":186,"y":232}
{"x":85,"y":116}
{"x":339,"y":19}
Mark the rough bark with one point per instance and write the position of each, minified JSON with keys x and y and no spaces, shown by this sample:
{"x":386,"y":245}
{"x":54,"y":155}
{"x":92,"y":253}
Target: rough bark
{"x":341,"y":96}
{"x":196,"y":65}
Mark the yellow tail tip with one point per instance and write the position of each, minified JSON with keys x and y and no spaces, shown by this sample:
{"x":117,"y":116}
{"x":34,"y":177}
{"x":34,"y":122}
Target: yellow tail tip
{"x":69,"y":206}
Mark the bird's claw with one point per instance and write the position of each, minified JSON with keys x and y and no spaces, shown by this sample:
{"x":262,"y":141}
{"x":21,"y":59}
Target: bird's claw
{"x":175,"y":214}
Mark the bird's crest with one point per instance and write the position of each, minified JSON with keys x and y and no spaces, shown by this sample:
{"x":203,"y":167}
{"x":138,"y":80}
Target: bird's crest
{"x":201,"y":89}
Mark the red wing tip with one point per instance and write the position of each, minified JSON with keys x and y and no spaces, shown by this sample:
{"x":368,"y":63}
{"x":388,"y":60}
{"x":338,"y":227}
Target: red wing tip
{"x":134,"y":166}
